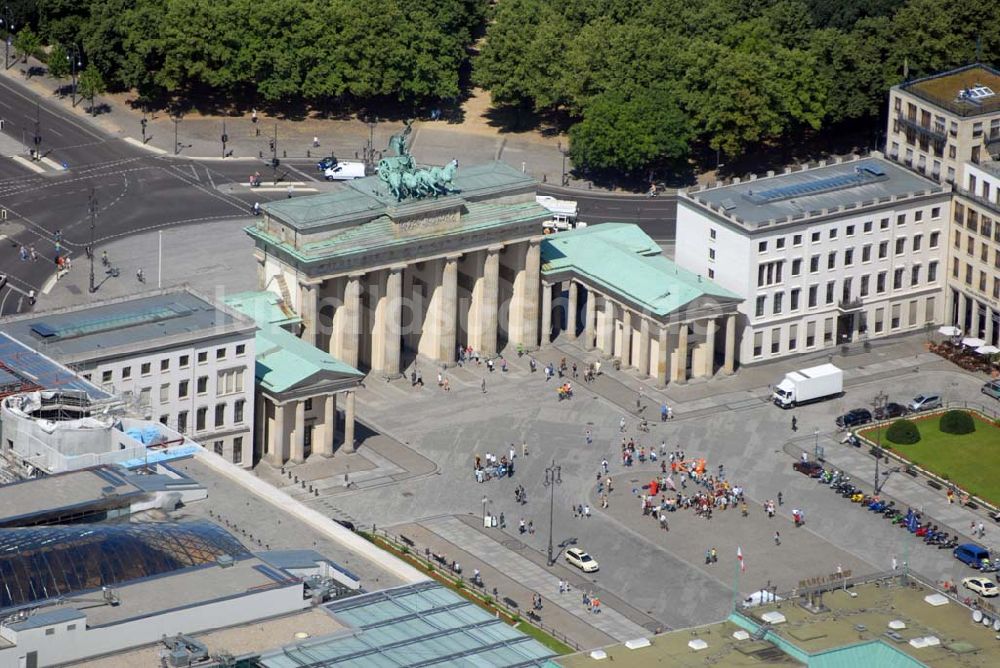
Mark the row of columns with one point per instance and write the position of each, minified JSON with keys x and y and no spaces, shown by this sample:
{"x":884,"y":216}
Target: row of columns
{"x":286,"y":442}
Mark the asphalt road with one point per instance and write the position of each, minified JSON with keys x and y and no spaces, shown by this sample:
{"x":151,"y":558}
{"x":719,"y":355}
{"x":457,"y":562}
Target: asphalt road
{"x":657,"y":216}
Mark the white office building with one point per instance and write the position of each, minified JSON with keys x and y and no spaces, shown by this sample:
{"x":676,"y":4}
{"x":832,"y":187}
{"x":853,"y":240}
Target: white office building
{"x":822,"y":256}
{"x":172,"y":355}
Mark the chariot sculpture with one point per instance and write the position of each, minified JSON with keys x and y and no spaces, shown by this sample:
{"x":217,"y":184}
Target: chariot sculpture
{"x":406,"y":180}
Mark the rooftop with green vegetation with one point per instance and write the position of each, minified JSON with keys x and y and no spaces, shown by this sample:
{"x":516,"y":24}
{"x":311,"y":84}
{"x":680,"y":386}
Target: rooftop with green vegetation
{"x":944,"y":89}
{"x":623,"y":260}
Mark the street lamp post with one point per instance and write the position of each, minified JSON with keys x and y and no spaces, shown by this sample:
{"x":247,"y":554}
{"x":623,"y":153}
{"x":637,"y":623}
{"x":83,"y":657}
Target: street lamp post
{"x":553,"y":477}
{"x":564,"y":180}
{"x":225,"y":138}
{"x":878,"y":405}
{"x":7,"y":21}
{"x":369,"y":152}
{"x":92,"y":210}
{"x":38,"y":131}
{"x":176,"y":118}
{"x":74,"y":61}
{"x":485,"y":501}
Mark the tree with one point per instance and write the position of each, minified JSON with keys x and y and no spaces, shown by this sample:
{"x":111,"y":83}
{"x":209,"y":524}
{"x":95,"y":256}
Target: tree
{"x":957,"y":422}
{"x":27,"y":43}
{"x":91,"y":85}
{"x":631,"y":135}
{"x":903,"y":432}
{"x":58,"y":62}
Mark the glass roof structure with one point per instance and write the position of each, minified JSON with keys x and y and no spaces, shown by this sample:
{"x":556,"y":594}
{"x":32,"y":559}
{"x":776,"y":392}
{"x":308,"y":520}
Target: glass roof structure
{"x":415,"y":626}
{"x":40,"y":563}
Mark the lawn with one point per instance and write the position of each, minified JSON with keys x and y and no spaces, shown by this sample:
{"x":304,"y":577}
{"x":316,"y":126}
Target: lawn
{"x":971,"y":461}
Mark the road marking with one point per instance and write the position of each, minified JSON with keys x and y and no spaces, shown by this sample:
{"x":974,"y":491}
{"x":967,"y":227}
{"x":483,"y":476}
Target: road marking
{"x":53,"y":164}
{"x":27,"y":163}
{"x":50,"y":283}
{"x":282,"y":190}
{"x":148,"y":147}
{"x":284,"y":183}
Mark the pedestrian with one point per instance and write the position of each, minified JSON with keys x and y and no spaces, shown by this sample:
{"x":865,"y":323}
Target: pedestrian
{"x":780,"y":502}
{"x":524,"y":448}
{"x":562,"y":586}
{"x":715,"y":556}
{"x":590,"y":438}
{"x":33,"y":253}
{"x":23,"y":252}
{"x":503,"y":523}
{"x":621,"y":424}
{"x":574,"y":369}
{"x":531,"y":527}
{"x":777,"y":538}
{"x":604,"y":465}
{"x":982,"y":530}
{"x":31,"y":297}
{"x":512,"y":453}
{"x":894,"y":564}
{"x":795,"y":423}
{"x":483,"y":385}
{"x":586,"y":511}
{"x":521,"y":526}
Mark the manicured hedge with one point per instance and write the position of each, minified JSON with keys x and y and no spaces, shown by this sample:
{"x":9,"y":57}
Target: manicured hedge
{"x":957,"y":422}
{"x":903,"y":432}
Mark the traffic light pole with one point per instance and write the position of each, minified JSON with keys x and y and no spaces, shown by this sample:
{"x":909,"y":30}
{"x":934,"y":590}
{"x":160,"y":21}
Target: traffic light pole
{"x":225,"y":138}
{"x":93,"y":223}
{"x":274,"y":155}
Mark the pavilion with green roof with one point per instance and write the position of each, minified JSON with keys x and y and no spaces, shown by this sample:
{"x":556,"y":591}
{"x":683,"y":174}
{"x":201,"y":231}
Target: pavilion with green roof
{"x":615,"y":292}
{"x":297,"y":385}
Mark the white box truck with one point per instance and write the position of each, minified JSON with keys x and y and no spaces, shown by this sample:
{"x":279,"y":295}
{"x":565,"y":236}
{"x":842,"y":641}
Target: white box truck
{"x":813,"y":384}
{"x":563,"y":213}
{"x":345,"y":171}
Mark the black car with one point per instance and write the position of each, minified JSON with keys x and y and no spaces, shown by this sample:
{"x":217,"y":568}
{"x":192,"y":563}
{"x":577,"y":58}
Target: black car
{"x":853,"y":418}
{"x":326,"y":163}
{"x":809,"y":468}
{"x":890,"y":410}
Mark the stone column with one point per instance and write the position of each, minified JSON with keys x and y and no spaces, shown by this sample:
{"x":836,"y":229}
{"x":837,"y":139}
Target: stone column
{"x":393,"y":313}
{"x":974,"y":329}
{"x":277,"y":441}
{"x":308,"y":296}
{"x":626,"y":338}
{"x":532,"y":279}
{"x":590,"y":324}
{"x":350,"y":326}
{"x":663,"y":359}
{"x":643,"y":363}
{"x":261,"y":272}
{"x":679,"y":367}
{"x":729,"y":366}
{"x":609,"y":328}
{"x":961,"y":313}
{"x":491,"y":293}
{"x":546,"y":334}
{"x":299,"y":440}
{"x":710,"y":328}
{"x":989,"y":327}
{"x":448,"y":310}
{"x":571,"y":310}
{"x":349,"y":423}
{"x":325,"y":445}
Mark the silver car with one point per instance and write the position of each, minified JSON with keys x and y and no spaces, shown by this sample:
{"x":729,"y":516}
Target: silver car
{"x":925,"y":402}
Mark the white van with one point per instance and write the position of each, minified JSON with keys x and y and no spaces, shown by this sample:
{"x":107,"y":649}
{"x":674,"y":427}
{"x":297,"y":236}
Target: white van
{"x":345,"y":171}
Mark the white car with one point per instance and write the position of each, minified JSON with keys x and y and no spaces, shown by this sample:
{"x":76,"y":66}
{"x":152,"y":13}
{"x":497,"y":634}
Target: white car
{"x":982,"y":586}
{"x":925,"y":402}
{"x":581,"y":560}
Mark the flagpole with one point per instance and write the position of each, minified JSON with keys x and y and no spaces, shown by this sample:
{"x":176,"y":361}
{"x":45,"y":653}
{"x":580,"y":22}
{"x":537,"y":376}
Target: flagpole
{"x":736,"y":585}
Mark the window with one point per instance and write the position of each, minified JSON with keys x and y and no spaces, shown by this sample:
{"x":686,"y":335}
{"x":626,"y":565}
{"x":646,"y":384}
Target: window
{"x":829,"y":291}
{"x":711,"y":273}
{"x":831,"y":260}
{"x":199,"y":418}
{"x":848,"y":257}
{"x":828,"y":330}
{"x":238,"y":410}
{"x":956,"y":266}
{"x":883,"y":250}
{"x":867,"y":227}
{"x":879,"y":320}
{"x":238,"y":450}
{"x":813,"y":295}
{"x":883,"y":224}
{"x":864,"y":285}
{"x":779,"y":243}
{"x":762,"y":247}
{"x":775,"y":340}
{"x":814,"y":264}
{"x":202,"y":384}
{"x":915,"y":274}
{"x":220,"y":353}
{"x":793,"y":303}
{"x":849,"y":231}
{"x":182,"y":421}
{"x":951,"y":174}
{"x":796,"y":266}
{"x":229,"y":382}
{"x":900,"y":245}
{"x":758,"y":344}
{"x":814,"y":237}
{"x":959,"y":213}
{"x":810,"y":334}
{"x":917,"y":239}
{"x":901,"y":219}
{"x":894,"y":320}
{"x":880,"y":282}
{"x":217,"y":447}
{"x":220,"y":415}
{"x":958,"y":239}
{"x":972,"y":220}
{"x":182,"y":389}
{"x":982,"y":281}
{"x":51,"y":631}
{"x":897,"y":278}
{"x":793,"y":332}
{"x":845,"y":290}
{"x":165,"y":365}
{"x":929,"y":309}
{"x":968,"y":274}
{"x":711,"y":233}
{"x":918,"y":215}
{"x":984,"y":252}
{"x":833,"y":232}
{"x":977,"y":129}
{"x":711,"y":253}
{"x":986,"y":227}
{"x":970,"y":246}
{"x":759,"y":311}
{"x":241,"y":349}
{"x":183,"y":361}
{"x":779,"y":298}
{"x":164,"y":419}
{"x":126,"y":372}
{"x":935,"y":239}
{"x":935,"y":213}
{"x":165,"y":393}
{"x":144,"y":396}
{"x":106,"y":376}
{"x":202,"y":357}
{"x":308,"y":405}
{"x":71,"y":627}
{"x":145,"y":369}
{"x":952,"y":151}
{"x":866,"y":253}
{"x":796,"y":239}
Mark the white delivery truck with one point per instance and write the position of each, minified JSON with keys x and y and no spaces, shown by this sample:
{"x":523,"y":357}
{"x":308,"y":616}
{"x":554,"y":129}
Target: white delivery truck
{"x":345,"y":171}
{"x":563,"y":213}
{"x":813,"y":384}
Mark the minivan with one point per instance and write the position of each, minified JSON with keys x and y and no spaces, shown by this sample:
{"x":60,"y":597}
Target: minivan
{"x":972,"y":554}
{"x":925,"y":402}
{"x":991,"y":388}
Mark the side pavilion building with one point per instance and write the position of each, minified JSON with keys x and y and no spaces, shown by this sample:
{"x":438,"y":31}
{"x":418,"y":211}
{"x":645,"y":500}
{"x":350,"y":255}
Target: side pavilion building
{"x":374,"y":279}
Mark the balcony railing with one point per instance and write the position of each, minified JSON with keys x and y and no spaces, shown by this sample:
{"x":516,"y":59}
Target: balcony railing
{"x":845,"y":305}
{"x":937,"y":135}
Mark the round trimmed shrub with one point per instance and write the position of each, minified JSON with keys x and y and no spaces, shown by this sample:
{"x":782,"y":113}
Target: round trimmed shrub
{"x":903,"y":432}
{"x":957,"y":422}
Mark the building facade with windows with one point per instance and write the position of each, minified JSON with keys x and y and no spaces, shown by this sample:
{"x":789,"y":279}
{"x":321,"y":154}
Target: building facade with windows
{"x":172,"y":355}
{"x":939,"y":124}
{"x":823,"y":255}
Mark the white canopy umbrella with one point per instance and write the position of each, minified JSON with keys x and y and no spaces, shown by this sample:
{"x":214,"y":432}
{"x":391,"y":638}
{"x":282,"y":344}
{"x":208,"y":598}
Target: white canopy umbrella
{"x":988,"y":350}
{"x":949,"y":330}
{"x":973,"y":343}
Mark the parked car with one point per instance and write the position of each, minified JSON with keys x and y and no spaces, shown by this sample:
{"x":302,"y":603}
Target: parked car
{"x":577,"y":557}
{"x":809,"y":468}
{"x":890,"y":410}
{"x":925,"y":402}
{"x":991,"y":388}
{"x":326,"y":163}
{"x":854,"y":417}
{"x":982,"y":586}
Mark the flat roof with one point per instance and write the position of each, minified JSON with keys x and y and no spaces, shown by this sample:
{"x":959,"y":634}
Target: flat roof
{"x":46,"y":618}
{"x":972,"y":90}
{"x":772,"y":199}
{"x":624,"y":260}
{"x":23,"y":369}
{"x":147,"y":320}
{"x":55,"y":495}
{"x":264,"y":307}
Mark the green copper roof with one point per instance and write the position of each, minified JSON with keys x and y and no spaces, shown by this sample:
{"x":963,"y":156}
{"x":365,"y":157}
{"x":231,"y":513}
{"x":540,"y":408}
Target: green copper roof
{"x":369,"y":198}
{"x":284,"y":361}
{"x":873,"y":653}
{"x":264,"y":306}
{"x":623,"y":260}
